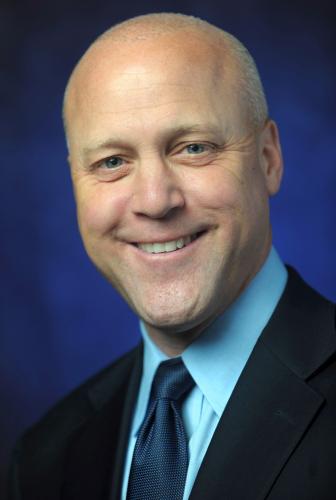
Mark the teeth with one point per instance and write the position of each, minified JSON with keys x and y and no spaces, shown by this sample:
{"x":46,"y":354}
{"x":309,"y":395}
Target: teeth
{"x":158,"y":247}
{"x":168,"y":246}
{"x":180,"y":243}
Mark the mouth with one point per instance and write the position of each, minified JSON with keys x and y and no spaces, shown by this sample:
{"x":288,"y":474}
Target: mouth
{"x":168,"y":246}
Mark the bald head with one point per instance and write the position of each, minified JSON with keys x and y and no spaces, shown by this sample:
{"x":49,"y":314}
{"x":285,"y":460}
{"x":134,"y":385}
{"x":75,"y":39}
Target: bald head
{"x":175,"y":33}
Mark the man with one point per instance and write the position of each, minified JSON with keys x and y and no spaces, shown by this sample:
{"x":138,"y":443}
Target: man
{"x":173,"y":160}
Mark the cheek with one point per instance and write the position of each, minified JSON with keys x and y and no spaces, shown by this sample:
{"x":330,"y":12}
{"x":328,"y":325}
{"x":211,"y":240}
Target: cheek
{"x":235,"y":199}
{"x":99,"y":210}
{"x":217,"y":190}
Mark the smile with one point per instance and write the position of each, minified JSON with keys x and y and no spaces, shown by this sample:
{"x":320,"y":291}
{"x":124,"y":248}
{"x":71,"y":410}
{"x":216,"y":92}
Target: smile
{"x":167,"y":246}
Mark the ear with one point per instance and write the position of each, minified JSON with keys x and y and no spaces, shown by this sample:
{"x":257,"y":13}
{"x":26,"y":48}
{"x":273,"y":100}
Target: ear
{"x":271,"y":157}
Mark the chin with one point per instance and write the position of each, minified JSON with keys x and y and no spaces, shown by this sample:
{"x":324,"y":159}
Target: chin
{"x":166,"y":319}
{"x":176,"y":315}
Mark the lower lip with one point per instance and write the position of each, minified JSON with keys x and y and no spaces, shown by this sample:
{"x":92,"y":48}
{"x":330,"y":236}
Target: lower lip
{"x":170,"y":255}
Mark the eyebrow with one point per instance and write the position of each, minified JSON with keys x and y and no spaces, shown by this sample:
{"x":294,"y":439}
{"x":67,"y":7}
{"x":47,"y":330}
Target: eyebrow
{"x":103,"y":145}
{"x":171,"y":133}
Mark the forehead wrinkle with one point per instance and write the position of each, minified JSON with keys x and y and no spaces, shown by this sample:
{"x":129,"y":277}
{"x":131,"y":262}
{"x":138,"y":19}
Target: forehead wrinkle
{"x":120,"y":94}
{"x":169,"y":134}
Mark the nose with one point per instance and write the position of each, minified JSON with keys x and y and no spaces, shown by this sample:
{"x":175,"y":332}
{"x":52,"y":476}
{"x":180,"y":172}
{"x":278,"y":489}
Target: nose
{"x":157,"y":190}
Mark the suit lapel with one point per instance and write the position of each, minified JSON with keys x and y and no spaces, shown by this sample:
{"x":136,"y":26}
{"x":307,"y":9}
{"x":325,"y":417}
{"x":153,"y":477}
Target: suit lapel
{"x":272,"y":404}
{"x":264,"y":420}
{"x":96,"y":454}
{"x":130,"y":400}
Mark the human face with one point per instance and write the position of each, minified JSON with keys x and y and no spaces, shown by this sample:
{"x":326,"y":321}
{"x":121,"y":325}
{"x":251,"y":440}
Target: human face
{"x":161,"y":157}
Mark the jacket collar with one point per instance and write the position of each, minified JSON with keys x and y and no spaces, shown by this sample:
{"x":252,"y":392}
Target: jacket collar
{"x":301,"y":332}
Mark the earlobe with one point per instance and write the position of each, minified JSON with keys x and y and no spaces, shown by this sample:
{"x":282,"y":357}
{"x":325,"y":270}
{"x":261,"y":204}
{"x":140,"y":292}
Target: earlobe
{"x":271,"y":157}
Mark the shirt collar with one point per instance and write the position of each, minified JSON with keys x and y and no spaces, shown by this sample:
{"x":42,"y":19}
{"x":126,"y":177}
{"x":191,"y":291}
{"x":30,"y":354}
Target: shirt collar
{"x":216,"y":359}
{"x":152,"y":357}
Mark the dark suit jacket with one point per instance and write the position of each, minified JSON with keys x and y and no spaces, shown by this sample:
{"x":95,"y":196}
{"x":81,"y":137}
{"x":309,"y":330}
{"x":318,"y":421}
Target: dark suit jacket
{"x":275,"y":440}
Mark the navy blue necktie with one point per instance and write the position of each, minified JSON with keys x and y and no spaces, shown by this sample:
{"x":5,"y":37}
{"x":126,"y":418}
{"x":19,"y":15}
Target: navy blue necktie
{"x":160,"y":459}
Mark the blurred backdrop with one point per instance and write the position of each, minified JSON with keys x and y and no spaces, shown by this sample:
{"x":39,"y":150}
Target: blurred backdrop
{"x":60,"y":322}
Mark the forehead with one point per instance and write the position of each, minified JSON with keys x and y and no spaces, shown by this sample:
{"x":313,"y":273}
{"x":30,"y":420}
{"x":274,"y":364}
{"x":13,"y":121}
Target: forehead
{"x":149,"y":81}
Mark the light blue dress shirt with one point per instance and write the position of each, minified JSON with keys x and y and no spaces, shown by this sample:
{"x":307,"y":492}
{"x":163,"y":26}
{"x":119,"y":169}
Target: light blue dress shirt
{"x":215,"y":361}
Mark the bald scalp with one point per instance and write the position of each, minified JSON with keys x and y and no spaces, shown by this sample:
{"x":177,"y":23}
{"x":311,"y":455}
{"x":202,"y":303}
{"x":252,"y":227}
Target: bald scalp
{"x":230,"y":51}
{"x":150,"y":26}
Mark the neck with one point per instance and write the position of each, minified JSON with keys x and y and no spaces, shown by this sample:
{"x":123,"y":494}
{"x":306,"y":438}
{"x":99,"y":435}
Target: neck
{"x":172,"y":342}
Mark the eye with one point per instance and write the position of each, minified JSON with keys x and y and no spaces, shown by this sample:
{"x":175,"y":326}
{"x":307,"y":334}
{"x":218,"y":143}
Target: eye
{"x":196,"y":148}
{"x":112,"y":162}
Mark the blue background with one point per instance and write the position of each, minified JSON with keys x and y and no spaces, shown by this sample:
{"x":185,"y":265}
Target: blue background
{"x":60,"y":321}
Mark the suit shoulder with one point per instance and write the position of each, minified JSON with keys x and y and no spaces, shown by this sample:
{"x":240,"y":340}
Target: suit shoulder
{"x":298,"y":286}
{"x":301,"y":331}
{"x":74,"y":409}
{"x":301,"y":299}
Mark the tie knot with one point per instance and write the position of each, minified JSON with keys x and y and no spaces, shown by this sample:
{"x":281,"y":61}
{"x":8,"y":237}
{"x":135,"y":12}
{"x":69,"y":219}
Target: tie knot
{"x":172,"y":380}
